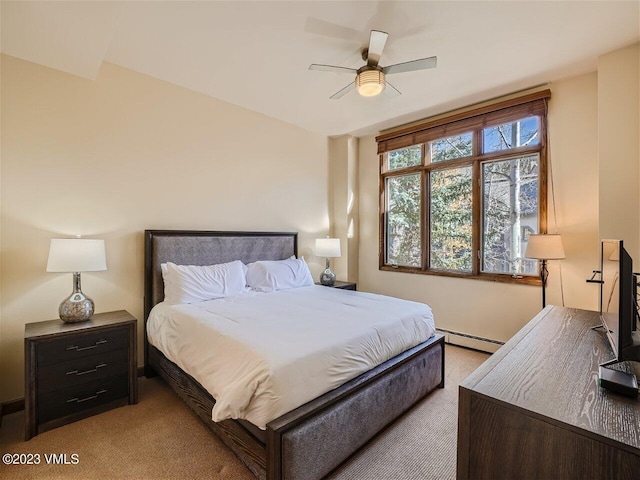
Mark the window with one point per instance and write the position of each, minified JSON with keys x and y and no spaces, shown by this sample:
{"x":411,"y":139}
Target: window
{"x":450,"y":219}
{"x":461,"y":195}
{"x":510,"y":202}
{"x":450,"y":148}
{"x":407,"y":157}
{"x":403,"y":220}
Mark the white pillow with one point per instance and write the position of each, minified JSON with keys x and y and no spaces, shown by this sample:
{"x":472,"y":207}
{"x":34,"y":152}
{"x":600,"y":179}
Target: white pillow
{"x":194,"y":283}
{"x":272,"y":275}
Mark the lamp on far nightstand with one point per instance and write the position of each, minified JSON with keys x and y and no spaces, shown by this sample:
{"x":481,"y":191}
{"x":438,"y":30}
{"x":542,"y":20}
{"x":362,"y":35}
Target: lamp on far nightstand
{"x":76,"y":255}
{"x":544,"y":247}
{"x":328,"y":248}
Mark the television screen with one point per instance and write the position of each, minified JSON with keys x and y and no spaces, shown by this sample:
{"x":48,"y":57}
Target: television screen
{"x":610,"y":291}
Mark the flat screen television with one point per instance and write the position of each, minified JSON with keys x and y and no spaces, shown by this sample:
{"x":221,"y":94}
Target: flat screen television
{"x":618,"y":304}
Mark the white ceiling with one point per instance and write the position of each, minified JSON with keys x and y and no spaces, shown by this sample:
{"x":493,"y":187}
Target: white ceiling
{"x":256,"y":54}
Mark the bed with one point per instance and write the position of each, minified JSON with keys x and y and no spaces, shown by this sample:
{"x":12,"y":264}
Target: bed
{"x":341,"y":421}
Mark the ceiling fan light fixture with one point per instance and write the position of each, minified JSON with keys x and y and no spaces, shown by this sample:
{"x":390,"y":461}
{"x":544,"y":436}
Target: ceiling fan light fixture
{"x":370,"y":83}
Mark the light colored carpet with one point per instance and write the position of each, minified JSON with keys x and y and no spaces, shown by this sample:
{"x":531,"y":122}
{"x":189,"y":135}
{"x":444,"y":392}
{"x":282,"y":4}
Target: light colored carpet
{"x":422,"y":444}
{"x":161,"y":439}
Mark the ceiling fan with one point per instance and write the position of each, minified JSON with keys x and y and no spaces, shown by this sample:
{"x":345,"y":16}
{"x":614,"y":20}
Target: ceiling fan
{"x":371,"y":78}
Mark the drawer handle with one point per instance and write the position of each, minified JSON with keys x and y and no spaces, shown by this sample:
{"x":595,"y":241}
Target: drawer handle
{"x":91,"y":397}
{"x":78,"y":349}
{"x":93,"y":370}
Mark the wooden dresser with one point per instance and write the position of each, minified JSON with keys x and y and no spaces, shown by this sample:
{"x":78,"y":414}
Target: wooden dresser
{"x":74,"y":370}
{"x":534,"y":408}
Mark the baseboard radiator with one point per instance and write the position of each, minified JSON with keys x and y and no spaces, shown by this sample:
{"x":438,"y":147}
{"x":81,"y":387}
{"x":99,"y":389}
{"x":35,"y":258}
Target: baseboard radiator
{"x":470,"y":341}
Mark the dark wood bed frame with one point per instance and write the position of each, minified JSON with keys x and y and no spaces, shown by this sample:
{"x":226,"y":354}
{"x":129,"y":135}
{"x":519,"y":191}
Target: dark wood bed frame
{"x":312,"y":440}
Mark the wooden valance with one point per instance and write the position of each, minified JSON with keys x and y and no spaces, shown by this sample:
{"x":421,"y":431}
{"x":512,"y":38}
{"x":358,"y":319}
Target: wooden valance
{"x":456,"y":123}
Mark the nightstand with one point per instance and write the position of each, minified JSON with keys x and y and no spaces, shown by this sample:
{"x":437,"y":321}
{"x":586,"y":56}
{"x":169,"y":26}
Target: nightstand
{"x":341,"y":285}
{"x":74,"y":370}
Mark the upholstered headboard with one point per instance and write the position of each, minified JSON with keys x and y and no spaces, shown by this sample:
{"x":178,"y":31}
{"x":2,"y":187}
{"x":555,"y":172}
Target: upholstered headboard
{"x":188,"y":247}
{"x":191,"y":247}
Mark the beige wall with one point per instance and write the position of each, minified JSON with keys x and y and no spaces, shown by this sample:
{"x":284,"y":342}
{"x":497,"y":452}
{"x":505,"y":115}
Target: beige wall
{"x":573,"y":128}
{"x":343,"y":204}
{"x":338,"y":162}
{"x":618,"y":147}
{"x":498,"y":310}
{"x":113,"y":157}
{"x":351,"y":209}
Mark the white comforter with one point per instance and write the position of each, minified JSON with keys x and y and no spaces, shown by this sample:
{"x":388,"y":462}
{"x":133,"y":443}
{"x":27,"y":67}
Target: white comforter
{"x":261,"y":355}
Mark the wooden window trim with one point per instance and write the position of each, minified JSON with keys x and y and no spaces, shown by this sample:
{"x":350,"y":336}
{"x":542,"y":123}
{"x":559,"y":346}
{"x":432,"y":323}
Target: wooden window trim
{"x":474,"y":120}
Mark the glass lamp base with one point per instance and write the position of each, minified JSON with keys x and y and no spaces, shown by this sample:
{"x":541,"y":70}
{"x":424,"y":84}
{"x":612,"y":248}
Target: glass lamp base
{"x":76,"y":308}
{"x":328,"y":278}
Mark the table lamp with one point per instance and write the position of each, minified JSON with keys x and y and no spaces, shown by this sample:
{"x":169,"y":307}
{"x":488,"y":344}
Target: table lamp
{"x":328,"y":248}
{"x":76,"y":255}
{"x":544,"y":247}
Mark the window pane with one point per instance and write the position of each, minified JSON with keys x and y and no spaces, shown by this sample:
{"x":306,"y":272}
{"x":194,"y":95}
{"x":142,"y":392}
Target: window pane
{"x":403,"y":220}
{"x":520,"y":133}
{"x":449,"y":148}
{"x":510,"y":214}
{"x":451,"y":219}
{"x":405,"y":157}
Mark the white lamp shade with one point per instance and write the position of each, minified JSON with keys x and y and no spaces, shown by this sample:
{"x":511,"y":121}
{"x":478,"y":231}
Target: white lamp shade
{"x":328,"y":247}
{"x":544,"y":247}
{"x":76,"y":255}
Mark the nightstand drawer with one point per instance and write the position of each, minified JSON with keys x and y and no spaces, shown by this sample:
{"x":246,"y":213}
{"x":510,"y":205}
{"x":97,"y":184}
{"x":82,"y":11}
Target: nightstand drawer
{"x":79,"y":346}
{"x":82,"y":370}
{"x":81,"y":397}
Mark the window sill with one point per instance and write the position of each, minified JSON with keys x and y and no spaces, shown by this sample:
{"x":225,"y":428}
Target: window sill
{"x":489,"y":277}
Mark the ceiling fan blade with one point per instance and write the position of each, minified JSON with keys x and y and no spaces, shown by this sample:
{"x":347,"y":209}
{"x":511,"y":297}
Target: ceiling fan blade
{"x":411,"y":66}
{"x":332,"y":68}
{"x":344,"y":91}
{"x":391,"y":91}
{"x":377,"y":42}
{"x":328,"y":29}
